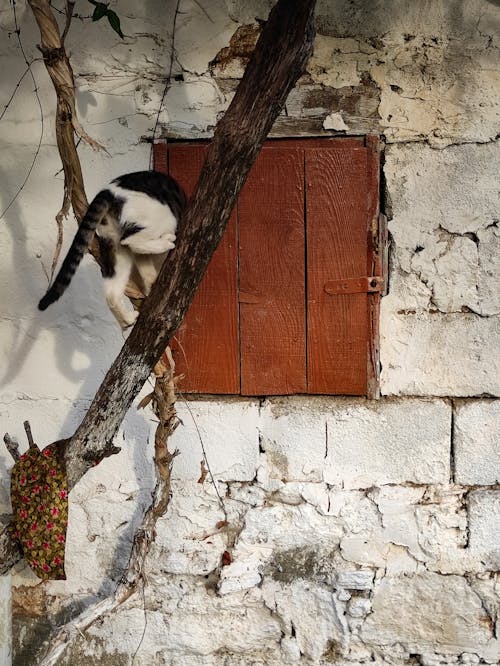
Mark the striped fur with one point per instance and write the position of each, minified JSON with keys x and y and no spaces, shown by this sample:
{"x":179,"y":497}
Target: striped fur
{"x":98,"y":208}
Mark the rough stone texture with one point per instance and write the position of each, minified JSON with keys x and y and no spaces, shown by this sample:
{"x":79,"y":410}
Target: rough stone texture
{"x":428,"y":613}
{"x":355,"y":444}
{"x":484,"y":519}
{"x":477,"y":442}
{"x":353,"y":535}
{"x":229,"y":434}
{"x":440,"y":330}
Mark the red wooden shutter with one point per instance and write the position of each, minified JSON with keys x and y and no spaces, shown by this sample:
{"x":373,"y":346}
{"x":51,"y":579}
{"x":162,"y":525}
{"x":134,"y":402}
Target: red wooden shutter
{"x":289,"y":303}
{"x":206,"y":346}
{"x":272,"y":275}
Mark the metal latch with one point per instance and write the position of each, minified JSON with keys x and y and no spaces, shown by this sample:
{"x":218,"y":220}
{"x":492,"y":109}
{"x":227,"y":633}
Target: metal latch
{"x":360,"y":285}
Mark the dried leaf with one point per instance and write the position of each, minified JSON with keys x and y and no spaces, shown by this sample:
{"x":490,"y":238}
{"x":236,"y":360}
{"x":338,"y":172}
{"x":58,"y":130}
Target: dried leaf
{"x":204,"y":472}
{"x":145,"y":401}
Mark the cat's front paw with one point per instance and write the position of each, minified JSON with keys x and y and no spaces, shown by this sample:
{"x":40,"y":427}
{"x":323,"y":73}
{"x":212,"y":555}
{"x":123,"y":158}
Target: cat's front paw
{"x":166,"y":243}
{"x":129,"y":319}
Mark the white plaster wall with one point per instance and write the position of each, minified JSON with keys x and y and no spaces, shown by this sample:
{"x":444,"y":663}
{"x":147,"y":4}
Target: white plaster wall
{"x":359,"y":532}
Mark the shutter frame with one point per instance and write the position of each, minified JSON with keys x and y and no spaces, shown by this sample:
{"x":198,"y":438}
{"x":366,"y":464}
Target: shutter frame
{"x":202,"y":364}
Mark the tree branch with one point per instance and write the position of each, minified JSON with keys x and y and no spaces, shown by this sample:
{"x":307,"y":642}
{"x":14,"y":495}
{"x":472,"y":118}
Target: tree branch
{"x":279,"y":59}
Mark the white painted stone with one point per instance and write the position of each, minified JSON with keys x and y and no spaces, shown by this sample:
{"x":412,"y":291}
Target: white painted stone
{"x":271,"y":531}
{"x":368,"y":443}
{"x":477,"y":442}
{"x":5,"y":620}
{"x":334,"y":121}
{"x":355,"y":580}
{"x":293,"y":437}
{"x":427,"y":612}
{"x":359,"y":607}
{"x":311,"y":611}
{"x":189,"y":540}
{"x":431,"y":354}
{"x":484,"y":519}
{"x":229,"y":434}
{"x":388,"y":442}
{"x":447,"y":239}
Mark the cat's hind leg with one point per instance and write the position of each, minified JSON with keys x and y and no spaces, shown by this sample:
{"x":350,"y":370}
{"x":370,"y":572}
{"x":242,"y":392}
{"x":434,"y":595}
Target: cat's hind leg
{"x":114,"y":288}
{"x":148,"y":267}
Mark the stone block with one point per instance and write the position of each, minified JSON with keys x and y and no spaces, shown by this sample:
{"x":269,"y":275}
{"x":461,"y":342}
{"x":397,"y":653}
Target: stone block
{"x":355,"y":443}
{"x":484,"y":522}
{"x":477,"y":442}
{"x":229,"y":432}
{"x":427,"y":353}
{"x":428,"y":613}
{"x":375,"y":443}
{"x":439,"y":323}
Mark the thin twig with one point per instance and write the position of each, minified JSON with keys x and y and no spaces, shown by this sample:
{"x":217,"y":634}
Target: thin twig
{"x":12,"y":446}
{"x":16,"y":88}
{"x":69,"y":14}
{"x":75,"y":15}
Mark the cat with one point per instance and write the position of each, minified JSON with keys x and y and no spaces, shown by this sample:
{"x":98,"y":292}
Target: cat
{"x":135,"y":218}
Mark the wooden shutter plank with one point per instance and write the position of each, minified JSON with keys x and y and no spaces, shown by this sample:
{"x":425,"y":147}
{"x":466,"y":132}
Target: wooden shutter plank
{"x":272,"y":275}
{"x":336,"y":218}
{"x":206,"y":346}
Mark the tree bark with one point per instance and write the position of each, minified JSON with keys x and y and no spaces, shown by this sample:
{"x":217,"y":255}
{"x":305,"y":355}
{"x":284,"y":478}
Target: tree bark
{"x":279,"y":59}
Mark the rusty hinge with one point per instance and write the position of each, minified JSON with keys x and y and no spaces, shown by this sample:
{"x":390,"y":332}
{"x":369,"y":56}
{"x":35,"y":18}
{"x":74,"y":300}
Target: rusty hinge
{"x":360,"y":285}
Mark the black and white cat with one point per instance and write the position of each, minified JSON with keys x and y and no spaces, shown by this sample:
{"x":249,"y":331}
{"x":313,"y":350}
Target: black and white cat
{"x":135,"y":218}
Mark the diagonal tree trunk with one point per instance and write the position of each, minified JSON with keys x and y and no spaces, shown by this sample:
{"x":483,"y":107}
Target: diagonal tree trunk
{"x":279,"y":59}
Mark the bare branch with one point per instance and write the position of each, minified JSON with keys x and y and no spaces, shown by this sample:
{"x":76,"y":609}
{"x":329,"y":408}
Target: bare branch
{"x":12,"y":446}
{"x":29,"y":435}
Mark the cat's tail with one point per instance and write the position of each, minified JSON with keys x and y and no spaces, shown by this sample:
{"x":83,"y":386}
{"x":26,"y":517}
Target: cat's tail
{"x":96,"y":211}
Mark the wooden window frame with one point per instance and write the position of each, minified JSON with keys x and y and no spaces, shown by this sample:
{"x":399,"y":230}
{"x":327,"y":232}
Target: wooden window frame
{"x":221,"y":337}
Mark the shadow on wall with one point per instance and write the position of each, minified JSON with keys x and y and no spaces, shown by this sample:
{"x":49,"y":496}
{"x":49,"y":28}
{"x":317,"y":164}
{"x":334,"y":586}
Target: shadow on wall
{"x":67,"y":322}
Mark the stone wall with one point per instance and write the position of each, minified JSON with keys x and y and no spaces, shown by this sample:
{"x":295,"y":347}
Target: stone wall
{"x":357,"y":532}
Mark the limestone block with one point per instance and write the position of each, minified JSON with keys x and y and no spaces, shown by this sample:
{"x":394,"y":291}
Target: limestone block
{"x":355,"y":443}
{"x":293,"y":437}
{"x":477,"y":442}
{"x":388,"y":442}
{"x":357,"y":579}
{"x":484,"y":521}
{"x":425,"y":353}
{"x":428,"y":612}
{"x":311,"y":610}
{"x":287,"y":542}
{"x":445,"y":268}
{"x":188,"y":540}
{"x":230,"y":436}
